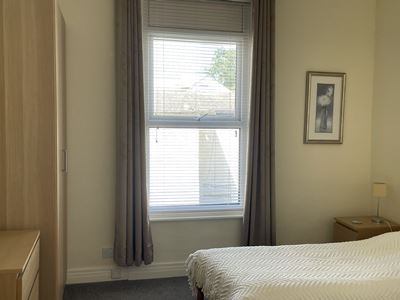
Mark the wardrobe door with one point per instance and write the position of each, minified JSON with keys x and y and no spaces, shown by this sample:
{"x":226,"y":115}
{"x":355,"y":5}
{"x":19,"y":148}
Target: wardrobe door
{"x":3,"y":207}
{"x":29,"y":147}
{"x":62,"y":151}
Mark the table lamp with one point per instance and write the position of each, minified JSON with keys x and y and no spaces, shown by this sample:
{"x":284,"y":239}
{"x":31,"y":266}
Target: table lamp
{"x":378,"y":191}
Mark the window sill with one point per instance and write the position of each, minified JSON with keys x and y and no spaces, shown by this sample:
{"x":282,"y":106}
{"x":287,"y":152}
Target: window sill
{"x":195,"y":215}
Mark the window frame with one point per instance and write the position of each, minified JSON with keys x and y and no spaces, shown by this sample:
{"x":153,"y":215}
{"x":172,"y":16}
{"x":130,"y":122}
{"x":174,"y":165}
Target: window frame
{"x":240,"y":121}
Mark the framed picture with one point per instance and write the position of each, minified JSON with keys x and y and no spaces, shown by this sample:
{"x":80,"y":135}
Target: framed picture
{"x":325,"y":93}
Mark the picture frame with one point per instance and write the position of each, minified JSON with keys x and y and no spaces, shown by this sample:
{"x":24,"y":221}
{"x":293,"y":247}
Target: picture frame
{"x":324,"y":109}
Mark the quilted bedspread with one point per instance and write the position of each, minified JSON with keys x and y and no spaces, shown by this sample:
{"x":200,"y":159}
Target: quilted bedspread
{"x":368,"y":269}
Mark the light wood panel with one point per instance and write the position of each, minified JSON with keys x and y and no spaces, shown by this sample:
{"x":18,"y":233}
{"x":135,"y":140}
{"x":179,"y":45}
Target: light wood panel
{"x":367,"y":224}
{"x":3,"y":204}
{"x":19,"y":263}
{"x":13,"y":68}
{"x":30,"y":273}
{"x":28,"y":142}
{"x":346,"y":230}
{"x":16,"y":246}
{"x":8,"y":286}
{"x":343,"y":234}
{"x":35,"y":290}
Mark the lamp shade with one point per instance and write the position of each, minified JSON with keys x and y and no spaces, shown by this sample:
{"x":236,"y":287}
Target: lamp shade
{"x":379,"y":189}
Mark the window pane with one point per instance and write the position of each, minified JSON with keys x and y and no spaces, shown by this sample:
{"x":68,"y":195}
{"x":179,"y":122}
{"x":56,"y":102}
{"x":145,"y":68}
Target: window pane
{"x":191,"y":166}
{"x":193,"y":78}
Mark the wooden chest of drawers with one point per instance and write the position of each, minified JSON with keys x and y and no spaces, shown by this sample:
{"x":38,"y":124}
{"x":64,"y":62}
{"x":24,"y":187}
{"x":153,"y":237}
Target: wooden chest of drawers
{"x":19,"y":265}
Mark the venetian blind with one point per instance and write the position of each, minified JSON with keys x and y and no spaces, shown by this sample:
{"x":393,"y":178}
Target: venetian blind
{"x":197,"y":73}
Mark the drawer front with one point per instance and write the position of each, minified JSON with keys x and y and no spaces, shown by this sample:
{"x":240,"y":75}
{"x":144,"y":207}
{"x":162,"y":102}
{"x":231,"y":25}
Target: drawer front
{"x":371,"y":232}
{"x":344,"y":234}
{"x":8,"y":286}
{"x":35,"y":289}
{"x":29,"y":276}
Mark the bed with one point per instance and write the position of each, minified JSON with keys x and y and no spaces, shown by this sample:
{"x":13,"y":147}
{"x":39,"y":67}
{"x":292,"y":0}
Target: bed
{"x":368,"y":269}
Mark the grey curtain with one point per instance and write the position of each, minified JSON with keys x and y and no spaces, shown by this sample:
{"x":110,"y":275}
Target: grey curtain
{"x":258,"y":222}
{"x":133,"y":242}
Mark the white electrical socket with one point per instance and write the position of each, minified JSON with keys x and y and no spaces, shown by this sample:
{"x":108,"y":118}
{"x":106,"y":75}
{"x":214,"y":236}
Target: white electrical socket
{"x":107,"y":252}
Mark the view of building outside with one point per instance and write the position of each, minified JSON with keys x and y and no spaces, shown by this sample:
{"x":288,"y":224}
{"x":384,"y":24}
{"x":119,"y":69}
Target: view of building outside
{"x":193,"y":166}
{"x":193,"y":78}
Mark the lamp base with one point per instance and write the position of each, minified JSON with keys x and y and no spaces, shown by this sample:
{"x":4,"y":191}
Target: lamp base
{"x":378,"y":220}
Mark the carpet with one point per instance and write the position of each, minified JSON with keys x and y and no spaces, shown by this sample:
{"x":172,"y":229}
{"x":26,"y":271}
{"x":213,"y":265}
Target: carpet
{"x":154,"y":289}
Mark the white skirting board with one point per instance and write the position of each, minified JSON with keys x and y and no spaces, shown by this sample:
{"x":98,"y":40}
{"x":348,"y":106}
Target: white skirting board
{"x":98,"y":274}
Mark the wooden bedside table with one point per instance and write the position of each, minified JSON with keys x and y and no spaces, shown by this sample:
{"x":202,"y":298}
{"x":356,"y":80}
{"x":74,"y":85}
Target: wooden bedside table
{"x":345,"y":230}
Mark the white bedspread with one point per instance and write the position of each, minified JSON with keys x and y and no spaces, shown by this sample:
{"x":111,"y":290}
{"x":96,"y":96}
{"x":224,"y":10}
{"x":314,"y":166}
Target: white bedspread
{"x":368,"y":269}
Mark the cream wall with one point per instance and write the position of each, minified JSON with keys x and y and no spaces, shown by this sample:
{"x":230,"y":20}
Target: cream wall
{"x":386,"y":125}
{"x":314,"y":182}
{"x":90,"y":128}
{"x":91,"y":144}
{"x":317,"y":182}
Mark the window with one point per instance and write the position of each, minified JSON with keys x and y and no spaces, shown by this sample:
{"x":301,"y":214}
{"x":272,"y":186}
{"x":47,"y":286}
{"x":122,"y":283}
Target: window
{"x":197,"y":75}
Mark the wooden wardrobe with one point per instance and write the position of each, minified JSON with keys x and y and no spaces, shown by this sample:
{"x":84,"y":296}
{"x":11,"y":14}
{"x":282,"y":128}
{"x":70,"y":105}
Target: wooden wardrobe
{"x":32,"y":131}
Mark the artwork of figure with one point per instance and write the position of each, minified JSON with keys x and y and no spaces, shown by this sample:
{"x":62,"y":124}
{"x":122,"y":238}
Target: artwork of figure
{"x":324,"y":111}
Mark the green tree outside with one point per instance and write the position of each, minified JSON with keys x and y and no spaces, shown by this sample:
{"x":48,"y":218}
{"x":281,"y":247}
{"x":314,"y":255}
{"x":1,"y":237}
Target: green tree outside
{"x":223,"y":68}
